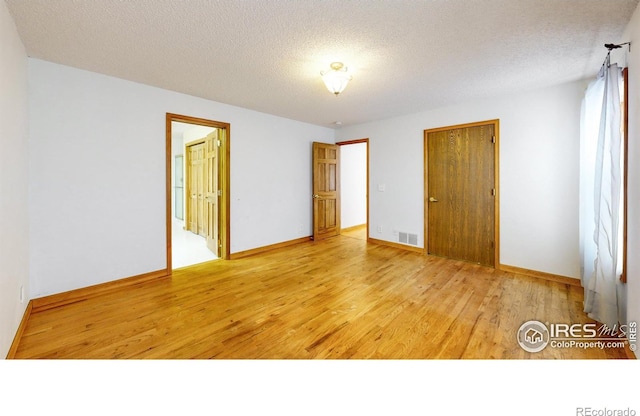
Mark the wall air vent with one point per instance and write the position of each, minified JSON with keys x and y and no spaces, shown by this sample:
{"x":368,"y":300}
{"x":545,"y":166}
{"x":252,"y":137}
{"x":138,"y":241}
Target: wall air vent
{"x":407,"y":238}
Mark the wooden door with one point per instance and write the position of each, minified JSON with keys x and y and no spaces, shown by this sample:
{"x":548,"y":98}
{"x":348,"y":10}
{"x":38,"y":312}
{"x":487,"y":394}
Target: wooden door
{"x":461,"y":193}
{"x":202,"y":185}
{"x":192,"y":188}
{"x":326,"y":190}
{"x":212,"y":194}
{"x":200,"y":170}
{"x":196,"y":179}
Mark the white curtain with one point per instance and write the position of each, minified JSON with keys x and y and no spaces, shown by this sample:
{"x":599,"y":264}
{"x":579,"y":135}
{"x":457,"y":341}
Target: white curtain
{"x":600,"y":196}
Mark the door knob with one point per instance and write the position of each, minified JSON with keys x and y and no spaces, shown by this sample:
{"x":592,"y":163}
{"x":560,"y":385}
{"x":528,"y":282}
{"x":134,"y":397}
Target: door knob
{"x":432,"y":199}
{"x":316,"y":196}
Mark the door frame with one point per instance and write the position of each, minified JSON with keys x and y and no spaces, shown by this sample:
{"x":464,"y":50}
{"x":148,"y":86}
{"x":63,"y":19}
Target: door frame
{"x":225,"y":182}
{"x":496,"y":180}
{"x":357,"y":141}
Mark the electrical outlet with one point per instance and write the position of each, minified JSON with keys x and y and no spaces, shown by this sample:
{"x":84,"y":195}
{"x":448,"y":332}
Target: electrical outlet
{"x":380,"y":229}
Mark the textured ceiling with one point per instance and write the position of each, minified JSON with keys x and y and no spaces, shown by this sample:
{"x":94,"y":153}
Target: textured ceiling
{"x":405,"y":56}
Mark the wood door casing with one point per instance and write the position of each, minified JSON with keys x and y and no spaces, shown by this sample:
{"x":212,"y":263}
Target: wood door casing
{"x":366,"y":142}
{"x":461,"y":192}
{"x":224,"y":206}
{"x":326,"y":190}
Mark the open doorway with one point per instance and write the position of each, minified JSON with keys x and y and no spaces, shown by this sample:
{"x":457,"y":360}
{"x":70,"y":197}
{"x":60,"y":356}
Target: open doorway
{"x":198,"y":188}
{"x":190,"y":215}
{"x":354,"y":187}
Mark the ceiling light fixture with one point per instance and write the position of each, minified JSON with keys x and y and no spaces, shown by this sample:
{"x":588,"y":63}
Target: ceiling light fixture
{"x":337,"y":78}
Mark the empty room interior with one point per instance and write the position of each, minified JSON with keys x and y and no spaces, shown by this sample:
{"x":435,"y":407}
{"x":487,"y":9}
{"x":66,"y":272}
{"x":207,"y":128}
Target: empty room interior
{"x":319,"y":180}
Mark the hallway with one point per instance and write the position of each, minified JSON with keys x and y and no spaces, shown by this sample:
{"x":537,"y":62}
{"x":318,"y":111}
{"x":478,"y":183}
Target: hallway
{"x":188,"y":248}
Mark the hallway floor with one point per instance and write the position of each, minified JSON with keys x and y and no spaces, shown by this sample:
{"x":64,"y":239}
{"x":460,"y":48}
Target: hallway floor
{"x":188,"y":248}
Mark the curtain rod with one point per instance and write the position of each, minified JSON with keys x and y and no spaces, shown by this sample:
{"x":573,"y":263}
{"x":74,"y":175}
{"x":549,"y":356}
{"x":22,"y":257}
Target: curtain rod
{"x":610,"y":47}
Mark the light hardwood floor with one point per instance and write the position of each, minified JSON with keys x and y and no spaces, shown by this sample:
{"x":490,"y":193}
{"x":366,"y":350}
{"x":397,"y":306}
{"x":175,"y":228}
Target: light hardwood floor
{"x":337,"y":298}
{"x":359,"y":232}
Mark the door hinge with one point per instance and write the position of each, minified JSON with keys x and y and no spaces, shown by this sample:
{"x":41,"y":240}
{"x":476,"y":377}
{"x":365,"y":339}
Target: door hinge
{"x":219,"y":192}
{"x":493,"y":192}
{"x":219,"y":143}
{"x":493,"y":138}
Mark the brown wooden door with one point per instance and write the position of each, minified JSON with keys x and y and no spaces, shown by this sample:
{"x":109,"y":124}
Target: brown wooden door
{"x":461,"y":193}
{"x":196,"y":188}
{"x":326,"y":190}
{"x":199,"y":188}
{"x":211,"y":194}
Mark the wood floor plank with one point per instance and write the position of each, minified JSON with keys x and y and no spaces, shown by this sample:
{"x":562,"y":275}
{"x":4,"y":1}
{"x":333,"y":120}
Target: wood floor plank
{"x":340,"y":298}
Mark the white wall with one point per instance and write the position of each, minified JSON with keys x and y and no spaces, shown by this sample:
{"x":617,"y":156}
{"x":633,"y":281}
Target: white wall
{"x":632,"y":34}
{"x":14,"y":221}
{"x":195,"y":133}
{"x":177,"y":148}
{"x":539,"y":149}
{"x":97,"y":171}
{"x":353,"y":184}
